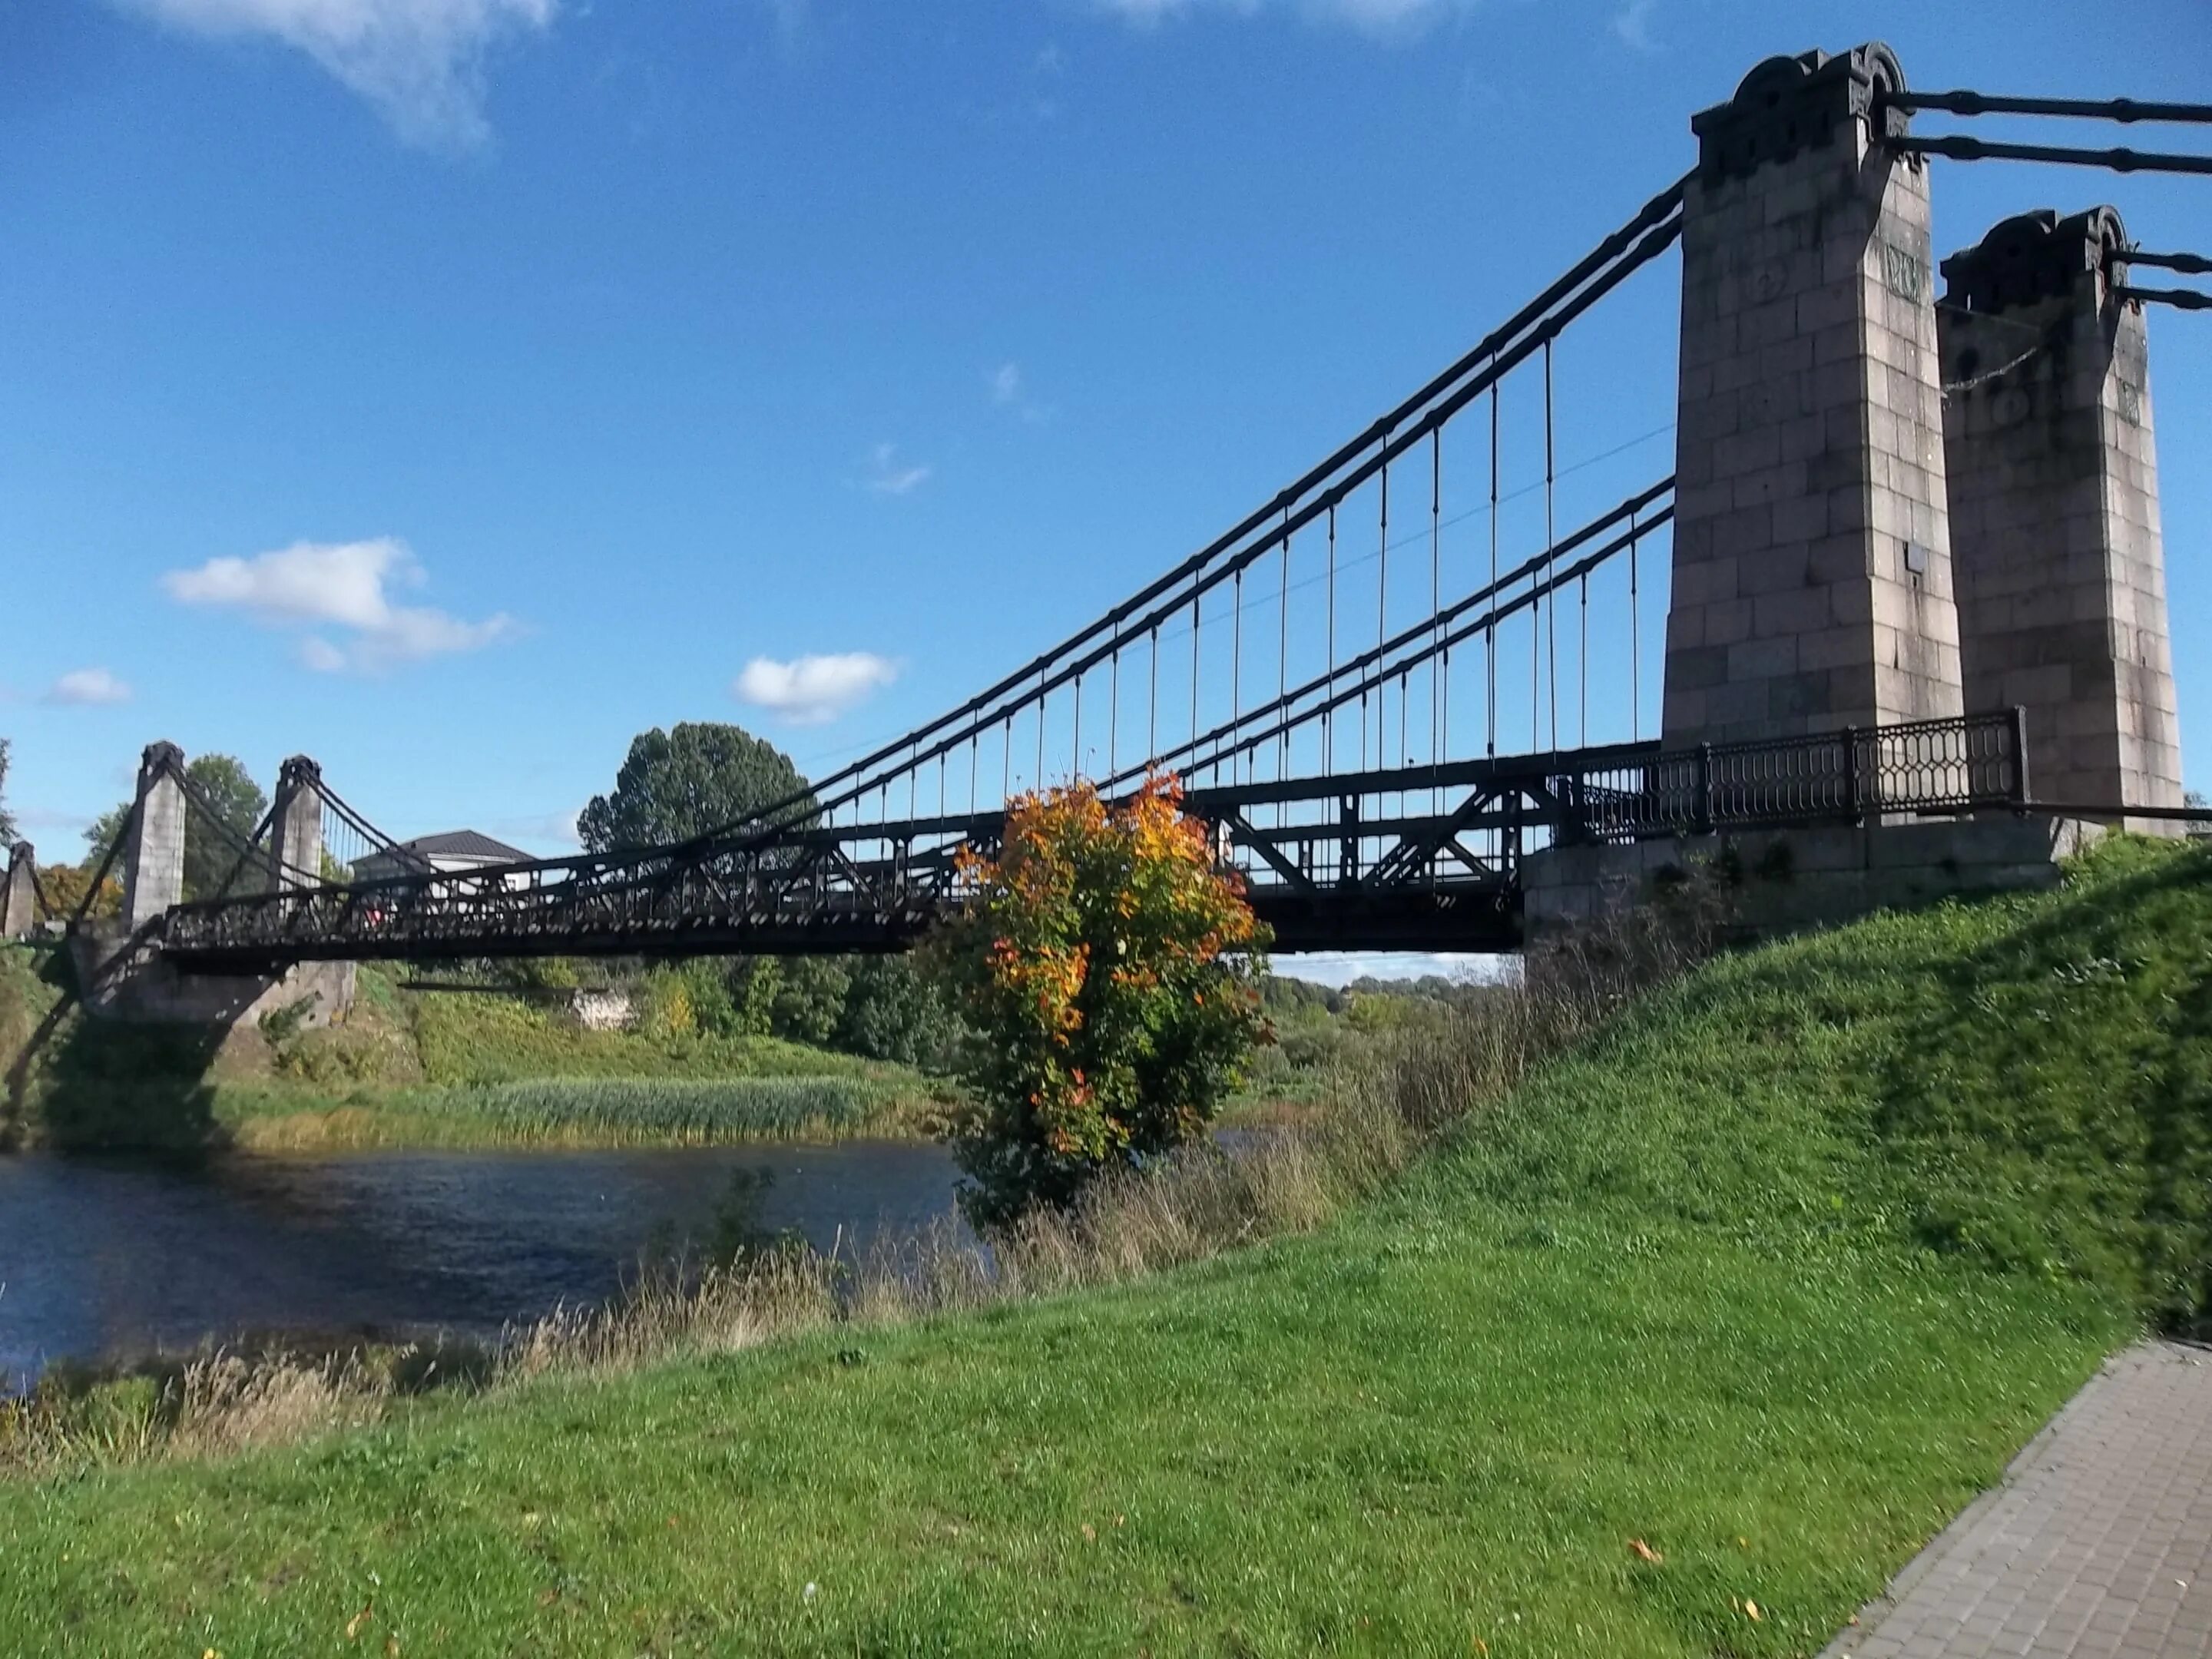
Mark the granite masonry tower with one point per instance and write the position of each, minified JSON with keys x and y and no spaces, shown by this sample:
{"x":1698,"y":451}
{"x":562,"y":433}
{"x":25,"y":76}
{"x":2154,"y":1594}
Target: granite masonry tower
{"x":1812,"y":576}
{"x":2054,"y":493}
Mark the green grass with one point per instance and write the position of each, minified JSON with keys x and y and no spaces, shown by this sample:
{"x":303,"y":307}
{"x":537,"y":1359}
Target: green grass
{"x":1774,"y":1276}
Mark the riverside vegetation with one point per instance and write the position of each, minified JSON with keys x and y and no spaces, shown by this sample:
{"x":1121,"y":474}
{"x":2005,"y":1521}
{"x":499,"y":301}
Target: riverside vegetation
{"x":447,"y":1070}
{"x":1670,"y":1329}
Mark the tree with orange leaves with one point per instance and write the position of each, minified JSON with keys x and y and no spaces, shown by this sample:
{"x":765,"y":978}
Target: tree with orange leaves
{"x":1108,"y":966}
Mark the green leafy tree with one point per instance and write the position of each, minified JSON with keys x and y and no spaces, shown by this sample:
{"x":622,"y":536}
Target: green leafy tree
{"x":105,"y":828}
{"x":1109,"y":968}
{"x":239,"y":802}
{"x":678,"y":784}
{"x":229,"y":787}
{"x":894,"y":1011}
{"x":7,"y":819}
{"x":809,"y":1000}
{"x":684,"y":782}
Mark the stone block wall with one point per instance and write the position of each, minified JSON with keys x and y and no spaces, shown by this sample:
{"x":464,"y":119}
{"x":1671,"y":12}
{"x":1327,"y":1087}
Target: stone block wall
{"x":1812,"y":566}
{"x":1783,"y":881}
{"x":2054,"y":485}
{"x":130,"y":983}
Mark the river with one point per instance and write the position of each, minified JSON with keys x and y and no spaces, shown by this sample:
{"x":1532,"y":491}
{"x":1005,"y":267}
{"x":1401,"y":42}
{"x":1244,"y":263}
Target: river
{"x":101,"y":1260}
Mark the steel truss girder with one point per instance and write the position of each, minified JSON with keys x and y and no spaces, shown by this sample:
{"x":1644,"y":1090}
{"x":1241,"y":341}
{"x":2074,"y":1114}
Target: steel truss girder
{"x":1338,"y":875}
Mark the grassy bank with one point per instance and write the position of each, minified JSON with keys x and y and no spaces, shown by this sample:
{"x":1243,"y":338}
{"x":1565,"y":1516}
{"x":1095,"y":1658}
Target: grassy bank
{"x":410,"y":1070}
{"x":1769,"y":1277}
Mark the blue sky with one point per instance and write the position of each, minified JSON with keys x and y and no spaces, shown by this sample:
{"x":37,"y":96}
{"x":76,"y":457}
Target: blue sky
{"x":591,"y":365}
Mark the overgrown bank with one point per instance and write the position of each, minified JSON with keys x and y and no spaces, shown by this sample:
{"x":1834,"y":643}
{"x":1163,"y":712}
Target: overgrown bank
{"x":424,"y":1069}
{"x":1768,"y":1278}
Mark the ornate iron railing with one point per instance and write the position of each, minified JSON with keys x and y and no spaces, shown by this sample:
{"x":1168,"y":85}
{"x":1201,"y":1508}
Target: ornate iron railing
{"x":1958,"y":764}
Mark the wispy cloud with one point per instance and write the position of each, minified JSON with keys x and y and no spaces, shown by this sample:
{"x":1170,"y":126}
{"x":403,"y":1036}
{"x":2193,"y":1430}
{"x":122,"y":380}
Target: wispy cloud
{"x":813,"y":690}
{"x":421,"y":63}
{"x":790,"y":15}
{"x":553,"y":829}
{"x":340,"y":585}
{"x":1377,"y":18}
{"x":87,"y":688}
{"x":888,"y":476}
{"x":1010,"y":391}
{"x":1631,"y":25}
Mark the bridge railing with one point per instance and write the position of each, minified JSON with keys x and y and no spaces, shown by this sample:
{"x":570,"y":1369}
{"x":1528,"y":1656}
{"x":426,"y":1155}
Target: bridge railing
{"x":1962,"y":763}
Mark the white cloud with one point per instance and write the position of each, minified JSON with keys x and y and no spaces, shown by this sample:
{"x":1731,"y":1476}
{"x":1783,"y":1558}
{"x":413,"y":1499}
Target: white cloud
{"x":419,"y":62}
{"x":1340,"y":968}
{"x":555,"y":828}
{"x":1379,"y":17}
{"x":1010,"y":391}
{"x":89,"y":688}
{"x":790,"y":16}
{"x":888,"y":476}
{"x":813,"y":690}
{"x":337,"y":585}
{"x":1631,"y":25}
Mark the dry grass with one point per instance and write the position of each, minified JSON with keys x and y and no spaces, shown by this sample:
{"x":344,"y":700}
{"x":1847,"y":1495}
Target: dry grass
{"x":1387,"y":1106}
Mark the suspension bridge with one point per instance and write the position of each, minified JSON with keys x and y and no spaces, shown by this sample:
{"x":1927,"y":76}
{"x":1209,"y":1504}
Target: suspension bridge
{"x":1454,"y":650}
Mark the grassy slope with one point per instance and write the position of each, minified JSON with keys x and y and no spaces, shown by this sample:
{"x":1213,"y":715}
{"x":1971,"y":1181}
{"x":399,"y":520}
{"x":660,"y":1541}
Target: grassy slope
{"x":1774,"y":1277}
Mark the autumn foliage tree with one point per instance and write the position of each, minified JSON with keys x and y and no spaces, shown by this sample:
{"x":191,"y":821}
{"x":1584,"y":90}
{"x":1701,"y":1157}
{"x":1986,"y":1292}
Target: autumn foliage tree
{"x":1108,"y":966}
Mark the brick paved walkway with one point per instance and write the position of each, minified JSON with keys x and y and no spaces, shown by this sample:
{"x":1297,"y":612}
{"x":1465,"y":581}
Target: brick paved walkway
{"x":2096,"y":1544}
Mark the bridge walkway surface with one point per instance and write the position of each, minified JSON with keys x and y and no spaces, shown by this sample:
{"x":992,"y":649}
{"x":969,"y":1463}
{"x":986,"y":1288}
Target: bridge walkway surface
{"x":2096,"y":1544}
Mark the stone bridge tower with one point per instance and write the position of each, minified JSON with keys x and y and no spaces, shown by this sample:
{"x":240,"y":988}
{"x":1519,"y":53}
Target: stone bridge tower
{"x":1812,"y":574}
{"x":2054,"y":492}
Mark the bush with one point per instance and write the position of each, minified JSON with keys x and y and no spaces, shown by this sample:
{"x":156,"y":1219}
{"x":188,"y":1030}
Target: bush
{"x":1093,"y":959}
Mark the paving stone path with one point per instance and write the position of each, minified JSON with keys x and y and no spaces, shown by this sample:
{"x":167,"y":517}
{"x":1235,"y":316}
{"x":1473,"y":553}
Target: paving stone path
{"x":2096,"y":1544}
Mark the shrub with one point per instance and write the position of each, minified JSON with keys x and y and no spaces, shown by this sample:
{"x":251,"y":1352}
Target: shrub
{"x":1094,"y":959}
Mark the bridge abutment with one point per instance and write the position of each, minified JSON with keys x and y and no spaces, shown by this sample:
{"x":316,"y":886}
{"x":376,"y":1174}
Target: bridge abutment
{"x":1769,"y":882}
{"x":1812,"y":566}
{"x":120,"y":967}
{"x":2054,"y":484}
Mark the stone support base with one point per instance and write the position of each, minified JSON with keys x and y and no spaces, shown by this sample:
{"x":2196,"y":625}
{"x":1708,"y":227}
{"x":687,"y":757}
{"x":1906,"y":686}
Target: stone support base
{"x":1784,"y":881}
{"x":145,"y":990}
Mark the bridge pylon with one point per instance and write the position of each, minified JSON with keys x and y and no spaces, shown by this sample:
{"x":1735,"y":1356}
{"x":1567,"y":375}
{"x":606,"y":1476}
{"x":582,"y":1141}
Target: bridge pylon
{"x":2054,"y":493}
{"x":298,"y":846}
{"x":153,"y":858}
{"x":1811,"y":578}
{"x":19,"y":899}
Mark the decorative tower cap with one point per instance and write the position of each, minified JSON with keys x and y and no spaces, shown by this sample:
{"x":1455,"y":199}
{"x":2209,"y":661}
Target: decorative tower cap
{"x":159,"y":755}
{"x":2033,"y":257}
{"x":297,"y":770}
{"x":1786,"y":105}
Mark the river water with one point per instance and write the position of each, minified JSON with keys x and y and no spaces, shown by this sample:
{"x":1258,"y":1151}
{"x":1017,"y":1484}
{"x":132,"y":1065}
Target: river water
{"x":111,"y":1260}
